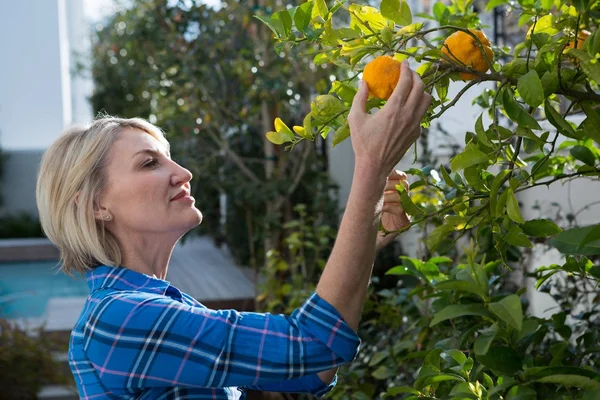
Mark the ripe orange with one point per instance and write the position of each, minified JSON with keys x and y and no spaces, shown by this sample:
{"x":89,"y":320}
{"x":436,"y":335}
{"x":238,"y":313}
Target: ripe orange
{"x":464,"y":48}
{"x":381,"y":76}
{"x":582,"y":35}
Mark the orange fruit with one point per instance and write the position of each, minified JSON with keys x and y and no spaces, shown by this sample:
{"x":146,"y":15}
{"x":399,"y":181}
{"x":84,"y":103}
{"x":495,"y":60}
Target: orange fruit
{"x":381,"y":76}
{"x":582,"y":35}
{"x":464,"y":48}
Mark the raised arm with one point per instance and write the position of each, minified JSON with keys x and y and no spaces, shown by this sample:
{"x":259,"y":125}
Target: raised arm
{"x":379,"y":142}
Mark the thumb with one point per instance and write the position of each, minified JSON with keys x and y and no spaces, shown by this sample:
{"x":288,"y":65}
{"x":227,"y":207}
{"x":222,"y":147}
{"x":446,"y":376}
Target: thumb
{"x":359,"y":103}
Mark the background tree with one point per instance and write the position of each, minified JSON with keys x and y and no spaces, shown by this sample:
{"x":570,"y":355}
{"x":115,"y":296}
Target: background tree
{"x":457,"y":326}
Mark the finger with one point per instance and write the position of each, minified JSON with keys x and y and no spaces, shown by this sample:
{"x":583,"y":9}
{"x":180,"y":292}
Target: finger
{"x":396,"y":174}
{"x":403,"y":87}
{"x":417,"y":92}
{"x":391,"y":198}
{"x":391,"y":185}
{"x":359,"y":103}
{"x":424,"y":105}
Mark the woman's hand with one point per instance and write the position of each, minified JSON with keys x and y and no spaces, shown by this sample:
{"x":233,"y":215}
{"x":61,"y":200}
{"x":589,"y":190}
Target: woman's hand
{"x":393,"y":216}
{"x":380,"y":140}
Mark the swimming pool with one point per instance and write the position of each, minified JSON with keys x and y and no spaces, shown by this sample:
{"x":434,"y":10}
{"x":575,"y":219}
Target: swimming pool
{"x":27,"y":286}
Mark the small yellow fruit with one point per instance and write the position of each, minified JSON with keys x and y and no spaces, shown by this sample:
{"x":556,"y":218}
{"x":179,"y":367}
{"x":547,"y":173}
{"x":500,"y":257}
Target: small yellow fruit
{"x":381,"y":76}
{"x":464,"y":48}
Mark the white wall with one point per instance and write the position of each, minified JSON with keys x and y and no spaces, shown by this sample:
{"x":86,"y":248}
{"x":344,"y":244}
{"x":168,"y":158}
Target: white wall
{"x":39,"y":94}
{"x":37,"y":38}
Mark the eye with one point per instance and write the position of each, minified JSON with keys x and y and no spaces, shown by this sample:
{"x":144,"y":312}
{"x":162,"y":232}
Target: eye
{"x":151,"y":163}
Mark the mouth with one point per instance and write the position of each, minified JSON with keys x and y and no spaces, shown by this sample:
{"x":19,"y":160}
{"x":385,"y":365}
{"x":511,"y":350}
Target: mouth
{"x":181,"y":195}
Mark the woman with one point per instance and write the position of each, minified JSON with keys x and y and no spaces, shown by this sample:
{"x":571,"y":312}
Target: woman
{"x":115,"y":204}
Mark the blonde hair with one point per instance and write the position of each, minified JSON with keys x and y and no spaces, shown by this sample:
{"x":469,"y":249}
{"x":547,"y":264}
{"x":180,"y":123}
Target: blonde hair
{"x":71,"y":178}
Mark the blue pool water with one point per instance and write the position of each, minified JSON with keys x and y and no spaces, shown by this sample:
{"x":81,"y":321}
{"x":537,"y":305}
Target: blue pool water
{"x":26,"y":287}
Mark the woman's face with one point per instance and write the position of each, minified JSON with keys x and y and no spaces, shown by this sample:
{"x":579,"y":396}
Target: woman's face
{"x":147,"y":192}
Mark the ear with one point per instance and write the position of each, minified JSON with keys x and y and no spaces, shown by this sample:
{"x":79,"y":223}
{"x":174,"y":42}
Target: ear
{"x":101,"y":213}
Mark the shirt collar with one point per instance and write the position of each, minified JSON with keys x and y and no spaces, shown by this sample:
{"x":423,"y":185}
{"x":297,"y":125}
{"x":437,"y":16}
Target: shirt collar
{"x":119,"y":278}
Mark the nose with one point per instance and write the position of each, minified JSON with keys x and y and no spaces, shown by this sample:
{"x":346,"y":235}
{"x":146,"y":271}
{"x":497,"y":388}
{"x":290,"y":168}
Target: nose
{"x":180,"y":175}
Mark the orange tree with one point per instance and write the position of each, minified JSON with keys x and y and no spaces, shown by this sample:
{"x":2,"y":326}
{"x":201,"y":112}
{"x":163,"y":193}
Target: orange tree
{"x":459,"y":326}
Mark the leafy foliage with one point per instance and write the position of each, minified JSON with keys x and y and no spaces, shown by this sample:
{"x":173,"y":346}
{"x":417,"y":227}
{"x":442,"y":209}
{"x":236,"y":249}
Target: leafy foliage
{"x":26,"y":362}
{"x":457,"y":325}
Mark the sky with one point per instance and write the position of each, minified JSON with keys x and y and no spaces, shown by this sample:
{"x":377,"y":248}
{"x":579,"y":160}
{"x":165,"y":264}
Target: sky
{"x":95,"y":10}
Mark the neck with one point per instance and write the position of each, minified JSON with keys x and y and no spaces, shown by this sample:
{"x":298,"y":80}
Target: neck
{"x":147,"y":256}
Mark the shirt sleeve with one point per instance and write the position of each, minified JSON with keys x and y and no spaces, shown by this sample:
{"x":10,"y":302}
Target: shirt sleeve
{"x":306,"y":384}
{"x":140,"y":340}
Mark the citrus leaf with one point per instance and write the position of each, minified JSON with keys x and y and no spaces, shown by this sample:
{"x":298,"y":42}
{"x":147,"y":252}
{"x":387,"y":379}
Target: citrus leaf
{"x":501,"y":359}
{"x":516,"y":237}
{"x":516,"y":112}
{"x":460,"y":286}
{"x":531,"y":89}
{"x":437,"y":235}
{"x":341,"y":134}
{"x":459,"y":310}
{"x":470,"y":156}
{"x":512,"y":207}
{"x":509,"y":310}
{"x":571,"y":241}
{"x":588,"y":64}
{"x":540,"y":228}
{"x":397,"y":11}
{"x":483,"y":342}
{"x":558,"y":121}
{"x":592,"y":122}
{"x":583,"y":154}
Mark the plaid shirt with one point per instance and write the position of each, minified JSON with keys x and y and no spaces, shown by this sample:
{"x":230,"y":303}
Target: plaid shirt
{"x":139,"y":337}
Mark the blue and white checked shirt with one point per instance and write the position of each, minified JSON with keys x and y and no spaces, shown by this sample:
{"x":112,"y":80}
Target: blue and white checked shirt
{"x":139,"y":337}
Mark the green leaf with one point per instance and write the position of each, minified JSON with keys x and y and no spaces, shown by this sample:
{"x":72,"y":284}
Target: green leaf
{"x":459,"y":310}
{"x":302,"y":16}
{"x":396,"y":390}
{"x":558,"y":121}
{"x":440,"y":10}
{"x":521,"y":393}
{"x":516,"y":237}
{"x":509,"y":310}
{"x":516,"y":112}
{"x":567,"y":376}
{"x":496,"y":184}
{"x":397,"y":11}
{"x":274,"y":25}
{"x":592,"y":122}
{"x":470,"y":156}
{"x":279,"y":137}
{"x":570,"y":241}
{"x":588,"y":64}
{"x":325,"y":107}
{"x":407,"y":204}
{"x":383,"y":372}
{"x":501,"y":359}
{"x":341,"y":134}
{"x":483,"y":342}
{"x":583,"y":154}
{"x":378,"y":357}
{"x":494,"y":3}
{"x":286,"y":22}
{"x":531,"y":89}
{"x":512,"y":207}
{"x":320,"y":9}
{"x":448,"y":179}
{"x":460,"y":286}
{"x":540,"y":228}
{"x":437,"y":235}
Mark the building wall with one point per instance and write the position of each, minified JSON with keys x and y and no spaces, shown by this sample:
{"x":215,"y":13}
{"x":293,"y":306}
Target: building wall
{"x":39,"y":96}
